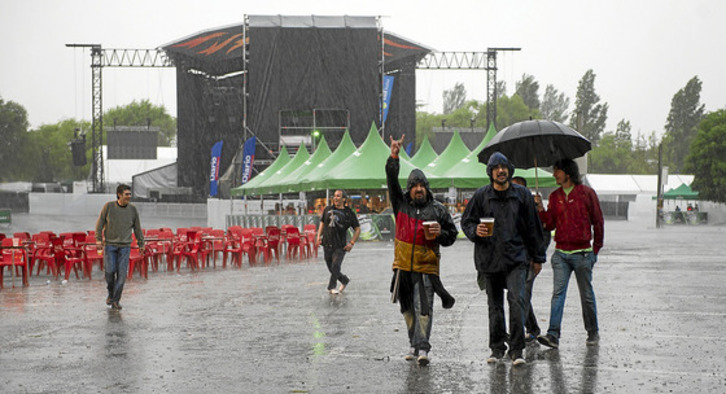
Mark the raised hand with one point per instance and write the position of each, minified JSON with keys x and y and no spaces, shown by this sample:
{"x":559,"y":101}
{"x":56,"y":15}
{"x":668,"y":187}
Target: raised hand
{"x":396,"y":146}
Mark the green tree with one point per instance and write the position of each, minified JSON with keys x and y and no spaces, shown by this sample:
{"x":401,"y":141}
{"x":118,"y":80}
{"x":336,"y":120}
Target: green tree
{"x":454,"y":98}
{"x":528,"y":89}
{"x":554,"y":105}
{"x":511,"y":110}
{"x":683,"y":119}
{"x":143,"y":113}
{"x":614,"y":153}
{"x":707,"y":157}
{"x":590,"y":116}
{"x":49,"y":158}
{"x":13,"y":140}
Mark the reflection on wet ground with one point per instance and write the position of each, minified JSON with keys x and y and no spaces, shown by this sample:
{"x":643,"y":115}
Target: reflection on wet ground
{"x":661,"y":305}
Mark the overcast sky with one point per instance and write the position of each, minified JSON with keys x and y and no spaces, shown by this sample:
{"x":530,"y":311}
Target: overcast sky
{"x":642,"y":51}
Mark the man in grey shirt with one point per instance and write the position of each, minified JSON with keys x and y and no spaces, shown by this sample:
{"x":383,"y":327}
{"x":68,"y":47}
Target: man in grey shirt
{"x":113,"y":229}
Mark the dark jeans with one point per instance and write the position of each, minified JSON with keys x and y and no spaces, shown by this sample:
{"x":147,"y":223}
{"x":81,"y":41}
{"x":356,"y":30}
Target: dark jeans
{"x":416,"y":297}
{"x":530,"y":323}
{"x":334,"y":261}
{"x":116,"y":263}
{"x":514,"y":281}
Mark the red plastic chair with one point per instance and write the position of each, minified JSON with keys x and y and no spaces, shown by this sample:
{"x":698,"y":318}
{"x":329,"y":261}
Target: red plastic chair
{"x":295,"y":246}
{"x":43,"y":254}
{"x":92,"y":254}
{"x":311,"y":233}
{"x":190,"y":251}
{"x":261,"y":245}
{"x":216,"y":243}
{"x":138,"y":261}
{"x":69,"y":256}
{"x":14,"y":258}
{"x":274,"y":240}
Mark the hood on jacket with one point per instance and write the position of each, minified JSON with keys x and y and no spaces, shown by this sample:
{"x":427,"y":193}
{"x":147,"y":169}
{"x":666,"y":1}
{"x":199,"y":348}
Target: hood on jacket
{"x":414,"y":178}
{"x":496,"y":159}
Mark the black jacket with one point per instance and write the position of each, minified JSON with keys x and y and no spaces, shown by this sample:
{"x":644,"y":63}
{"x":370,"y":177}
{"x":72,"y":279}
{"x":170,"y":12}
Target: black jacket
{"x":517,"y":228}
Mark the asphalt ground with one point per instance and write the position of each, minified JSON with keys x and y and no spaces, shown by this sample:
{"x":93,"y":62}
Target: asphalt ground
{"x":273,"y":328}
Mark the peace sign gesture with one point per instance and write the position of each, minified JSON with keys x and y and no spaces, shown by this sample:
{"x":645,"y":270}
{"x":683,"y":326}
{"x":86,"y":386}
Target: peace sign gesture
{"x":396,"y":146}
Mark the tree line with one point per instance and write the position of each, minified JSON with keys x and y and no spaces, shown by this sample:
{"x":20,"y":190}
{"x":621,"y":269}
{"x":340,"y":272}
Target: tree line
{"x":694,"y":141}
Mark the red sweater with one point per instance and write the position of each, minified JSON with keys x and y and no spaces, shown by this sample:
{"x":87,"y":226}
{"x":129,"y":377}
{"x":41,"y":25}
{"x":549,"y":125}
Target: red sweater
{"x":576,"y":217}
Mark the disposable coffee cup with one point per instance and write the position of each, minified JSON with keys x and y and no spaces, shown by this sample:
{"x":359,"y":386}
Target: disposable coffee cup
{"x":489,"y":222}
{"x":427,"y":232}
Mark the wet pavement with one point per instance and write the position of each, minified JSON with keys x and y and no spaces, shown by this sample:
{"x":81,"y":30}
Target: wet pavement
{"x":661,"y":306}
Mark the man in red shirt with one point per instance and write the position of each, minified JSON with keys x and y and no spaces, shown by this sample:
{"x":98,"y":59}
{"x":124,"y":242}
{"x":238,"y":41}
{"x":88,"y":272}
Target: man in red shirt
{"x":574,"y":211}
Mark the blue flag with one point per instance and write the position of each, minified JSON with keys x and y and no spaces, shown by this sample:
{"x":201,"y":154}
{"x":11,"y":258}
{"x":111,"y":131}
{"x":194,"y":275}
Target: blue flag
{"x":248,"y":159}
{"x":409,"y":148}
{"x":387,"y":90}
{"x":214,"y":173}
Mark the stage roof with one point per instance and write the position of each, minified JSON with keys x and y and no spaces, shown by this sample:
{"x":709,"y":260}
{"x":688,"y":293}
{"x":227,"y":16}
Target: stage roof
{"x":219,"y":51}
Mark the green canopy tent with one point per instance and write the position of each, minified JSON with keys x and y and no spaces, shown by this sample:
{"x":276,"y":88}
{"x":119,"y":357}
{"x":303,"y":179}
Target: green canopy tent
{"x":271,"y":184}
{"x":282,"y":159}
{"x":425,"y":154}
{"x":291,"y":182}
{"x":311,"y":181}
{"x":682,"y":192}
{"x":364,"y":168}
{"x":454,"y":152}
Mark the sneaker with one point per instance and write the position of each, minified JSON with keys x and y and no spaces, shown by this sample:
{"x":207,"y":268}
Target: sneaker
{"x":593,"y":339}
{"x":333,"y":291}
{"x":496,"y":355}
{"x":412,"y":354}
{"x":530,"y":337}
{"x":108,"y":300}
{"x":517,"y":358}
{"x":341,"y":288}
{"x":549,"y":340}
{"x":116,"y":306}
{"x":423,"y":358}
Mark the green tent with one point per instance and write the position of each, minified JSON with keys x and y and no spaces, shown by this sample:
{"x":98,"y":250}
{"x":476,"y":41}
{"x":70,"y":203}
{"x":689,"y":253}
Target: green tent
{"x":682,"y":192}
{"x":454,"y":152}
{"x":311,"y":181}
{"x":425,"y":154}
{"x":291,"y":182}
{"x":271,"y":184}
{"x":282,"y":159}
{"x":364,"y":168}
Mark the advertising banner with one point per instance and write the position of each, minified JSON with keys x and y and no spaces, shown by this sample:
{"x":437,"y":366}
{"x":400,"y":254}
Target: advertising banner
{"x":387,"y":89}
{"x":248,"y":159}
{"x":214,"y":164}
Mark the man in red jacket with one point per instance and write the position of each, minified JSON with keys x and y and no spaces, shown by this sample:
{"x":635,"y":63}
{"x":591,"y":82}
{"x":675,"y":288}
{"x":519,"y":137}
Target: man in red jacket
{"x":574,"y":211}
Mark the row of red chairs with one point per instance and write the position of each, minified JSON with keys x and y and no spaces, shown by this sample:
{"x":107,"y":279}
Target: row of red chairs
{"x":51,"y":251}
{"x":198,"y":247}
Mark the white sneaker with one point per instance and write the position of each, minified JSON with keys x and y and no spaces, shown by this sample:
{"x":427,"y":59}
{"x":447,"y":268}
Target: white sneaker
{"x":333,"y":291}
{"x":411,"y":355}
{"x":423,"y":358}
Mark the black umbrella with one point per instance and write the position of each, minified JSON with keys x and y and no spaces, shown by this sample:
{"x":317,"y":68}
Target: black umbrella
{"x":534,"y":143}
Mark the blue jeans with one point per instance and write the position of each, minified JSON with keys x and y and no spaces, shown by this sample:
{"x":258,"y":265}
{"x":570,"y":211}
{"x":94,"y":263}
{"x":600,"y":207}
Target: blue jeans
{"x":562,"y":265}
{"x":116,"y":263}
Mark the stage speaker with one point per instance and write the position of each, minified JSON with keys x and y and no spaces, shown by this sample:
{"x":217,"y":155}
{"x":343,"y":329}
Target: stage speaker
{"x":78,"y":149}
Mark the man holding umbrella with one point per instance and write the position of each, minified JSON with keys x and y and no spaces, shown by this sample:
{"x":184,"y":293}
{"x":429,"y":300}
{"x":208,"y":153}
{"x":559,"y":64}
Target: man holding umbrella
{"x":502,"y":253}
{"x":574,"y":211}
